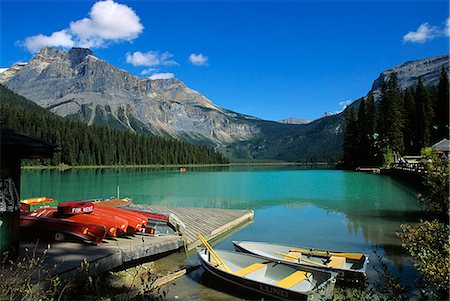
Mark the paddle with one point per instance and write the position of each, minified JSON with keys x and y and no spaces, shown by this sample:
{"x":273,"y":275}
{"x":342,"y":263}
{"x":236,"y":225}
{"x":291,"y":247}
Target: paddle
{"x":301,"y":259}
{"x":213,"y":253}
{"x":353,"y":256}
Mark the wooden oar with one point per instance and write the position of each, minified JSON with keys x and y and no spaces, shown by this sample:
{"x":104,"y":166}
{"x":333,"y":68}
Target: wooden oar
{"x":353,"y":256}
{"x":213,"y":253}
{"x":301,"y":259}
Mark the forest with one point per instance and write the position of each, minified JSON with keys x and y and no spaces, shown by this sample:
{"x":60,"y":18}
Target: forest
{"x":81,"y":144}
{"x":401,"y":122}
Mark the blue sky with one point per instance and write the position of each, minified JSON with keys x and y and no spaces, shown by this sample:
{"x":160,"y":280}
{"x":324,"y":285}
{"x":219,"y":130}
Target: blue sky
{"x":268,"y":59}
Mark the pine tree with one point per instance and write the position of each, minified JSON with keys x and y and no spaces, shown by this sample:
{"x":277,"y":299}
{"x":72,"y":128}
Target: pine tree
{"x":374,"y":156}
{"x":351,"y":139}
{"x":363,"y":135}
{"x":409,"y":134}
{"x":442,"y":107}
{"x":425,"y":115}
{"x":391,"y":111}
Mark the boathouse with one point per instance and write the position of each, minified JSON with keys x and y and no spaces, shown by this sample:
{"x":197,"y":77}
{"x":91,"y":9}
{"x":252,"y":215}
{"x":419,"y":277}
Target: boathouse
{"x":442,"y":147}
{"x":14,"y":148}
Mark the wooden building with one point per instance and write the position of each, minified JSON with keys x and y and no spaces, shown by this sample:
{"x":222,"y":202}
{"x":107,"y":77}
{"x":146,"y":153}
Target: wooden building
{"x":14,"y":148}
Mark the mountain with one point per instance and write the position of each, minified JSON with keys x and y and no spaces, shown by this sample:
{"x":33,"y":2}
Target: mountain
{"x":78,"y":85}
{"x":408,"y":74}
{"x":81,"y":144}
{"x":294,"y":120}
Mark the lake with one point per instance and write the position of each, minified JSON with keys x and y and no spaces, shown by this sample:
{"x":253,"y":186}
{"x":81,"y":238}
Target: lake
{"x":295,"y":205}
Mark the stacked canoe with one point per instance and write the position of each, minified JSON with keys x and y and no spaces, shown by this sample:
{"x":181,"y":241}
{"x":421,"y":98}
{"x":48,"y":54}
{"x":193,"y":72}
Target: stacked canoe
{"x":91,"y":222}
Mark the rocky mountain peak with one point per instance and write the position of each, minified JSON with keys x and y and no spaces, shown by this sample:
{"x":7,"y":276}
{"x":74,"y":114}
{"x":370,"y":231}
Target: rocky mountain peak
{"x":408,"y":73}
{"x":78,"y":55}
{"x":294,"y":120}
{"x":51,"y":52}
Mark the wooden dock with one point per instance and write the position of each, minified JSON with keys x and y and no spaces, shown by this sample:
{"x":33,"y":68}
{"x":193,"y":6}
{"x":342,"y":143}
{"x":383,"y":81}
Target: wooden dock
{"x":209,"y":222}
{"x":133,"y":250}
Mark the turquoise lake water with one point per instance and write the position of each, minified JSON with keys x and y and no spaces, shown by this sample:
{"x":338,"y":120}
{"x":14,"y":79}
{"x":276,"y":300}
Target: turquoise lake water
{"x":341,"y":210}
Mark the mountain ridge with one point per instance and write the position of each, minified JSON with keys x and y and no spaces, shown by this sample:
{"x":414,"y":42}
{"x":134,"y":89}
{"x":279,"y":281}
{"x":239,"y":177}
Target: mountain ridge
{"x":77,"y":85}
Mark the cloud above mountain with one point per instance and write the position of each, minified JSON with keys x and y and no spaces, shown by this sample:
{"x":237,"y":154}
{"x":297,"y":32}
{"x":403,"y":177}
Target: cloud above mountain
{"x":198,"y":59}
{"x":426,"y":32}
{"x":150,"y":58}
{"x":165,"y":75}
{"x":108,"y":22}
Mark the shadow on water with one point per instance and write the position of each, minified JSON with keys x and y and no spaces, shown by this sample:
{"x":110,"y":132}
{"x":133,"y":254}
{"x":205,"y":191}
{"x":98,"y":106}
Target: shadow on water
{"x":412,"y":216}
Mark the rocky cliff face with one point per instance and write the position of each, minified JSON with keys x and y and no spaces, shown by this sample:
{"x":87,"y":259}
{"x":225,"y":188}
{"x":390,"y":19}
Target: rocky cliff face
{"x":294,"y":120}
{"x":78,"y":85}
{"x":409,"y":73}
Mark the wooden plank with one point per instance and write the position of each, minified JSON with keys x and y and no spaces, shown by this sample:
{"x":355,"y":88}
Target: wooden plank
{"x":210,"y":222}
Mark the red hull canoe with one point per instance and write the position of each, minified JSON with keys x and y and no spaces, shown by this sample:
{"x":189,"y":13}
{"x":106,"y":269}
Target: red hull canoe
{"x":135,"y":220}
{"x":62,"y":229}
{"x":110,"y":222}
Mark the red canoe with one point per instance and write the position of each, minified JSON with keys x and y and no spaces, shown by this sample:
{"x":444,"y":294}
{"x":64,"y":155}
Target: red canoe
{"x":75,"y":208}
{"x":111,"y":223}
{"x":60,"y":230}
{"x":135,"y":220}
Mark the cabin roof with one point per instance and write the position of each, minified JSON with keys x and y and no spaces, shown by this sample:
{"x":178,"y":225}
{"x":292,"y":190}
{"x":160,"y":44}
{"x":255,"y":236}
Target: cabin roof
{"x":443,"y":146}
{"x":15,"y":145}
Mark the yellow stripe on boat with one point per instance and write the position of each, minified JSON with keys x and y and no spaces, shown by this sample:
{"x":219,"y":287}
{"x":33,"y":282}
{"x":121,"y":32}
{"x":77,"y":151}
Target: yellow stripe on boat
{"x":336,"y":262}
{"x":250,"y":269}
{"x":292,"y":279}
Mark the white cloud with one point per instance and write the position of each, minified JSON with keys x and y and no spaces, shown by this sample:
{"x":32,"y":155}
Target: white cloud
{"x":166,"y":75}
{"x":198,"y":59}
{"x":424,"y":33}
{"x":108,"y":22}
{"x":150,"y":58}
{"x":3,"y":70}
{"x":57,"y":39}
{"x":148,"y":71}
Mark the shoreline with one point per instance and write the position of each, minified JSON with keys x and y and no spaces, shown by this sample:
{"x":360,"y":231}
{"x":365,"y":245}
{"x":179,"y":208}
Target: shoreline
{"x":65,"y":167}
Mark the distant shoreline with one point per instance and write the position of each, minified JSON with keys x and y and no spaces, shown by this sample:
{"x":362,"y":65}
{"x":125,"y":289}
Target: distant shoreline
{"x":65,"y":167}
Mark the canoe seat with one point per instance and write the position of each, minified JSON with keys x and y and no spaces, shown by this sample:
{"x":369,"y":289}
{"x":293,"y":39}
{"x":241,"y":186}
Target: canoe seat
{"x":292,"y":256}
{"x":292,"y":279}
{"x":336,"y":262}
{"x":249,"y":269}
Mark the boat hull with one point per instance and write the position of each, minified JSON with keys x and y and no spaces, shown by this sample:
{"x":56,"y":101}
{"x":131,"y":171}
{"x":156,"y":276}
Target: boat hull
{"x":321,"y":290}
{"x":135,"y":221}
{"x":110,"y":222}
{"x":61,"y":230}
{"x":345,"y":276}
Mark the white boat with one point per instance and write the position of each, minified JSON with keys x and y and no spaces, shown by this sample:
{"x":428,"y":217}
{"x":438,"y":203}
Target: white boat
{"x":267,"y":277}
{"x":350,"y":267}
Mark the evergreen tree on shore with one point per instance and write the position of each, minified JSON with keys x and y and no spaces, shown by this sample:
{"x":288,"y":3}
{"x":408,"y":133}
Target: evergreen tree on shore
{"x":403,"y":122}
{"x":442,"y":107}
{"x":81,"y":144}
{"x":424,"y":115}
{"x":351,"y":139}
{"x":391,"y":115}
